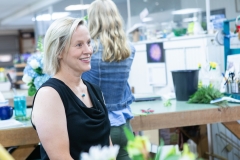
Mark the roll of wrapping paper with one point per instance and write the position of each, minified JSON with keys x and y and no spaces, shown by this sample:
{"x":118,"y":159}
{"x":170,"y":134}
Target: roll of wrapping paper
{"x":4,"y":155}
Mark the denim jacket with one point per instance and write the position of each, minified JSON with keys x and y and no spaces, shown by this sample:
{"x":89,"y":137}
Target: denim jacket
{"x":112,"y":77}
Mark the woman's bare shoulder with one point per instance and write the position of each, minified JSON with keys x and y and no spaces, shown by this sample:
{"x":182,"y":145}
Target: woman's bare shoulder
{"x":46,"y":91}
{"x":48,"y":96}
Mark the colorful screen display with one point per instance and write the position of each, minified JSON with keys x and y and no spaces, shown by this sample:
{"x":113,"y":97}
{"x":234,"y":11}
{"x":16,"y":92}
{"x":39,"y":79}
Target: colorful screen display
{"x":155,"y":53}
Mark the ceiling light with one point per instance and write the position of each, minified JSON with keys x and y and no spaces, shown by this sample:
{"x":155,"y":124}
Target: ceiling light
{"x":47,"y":17}
{"x":187,"y":11}
{"x":194,"y":19}
{"x":147,"y":19}
{"x":77,"y":7}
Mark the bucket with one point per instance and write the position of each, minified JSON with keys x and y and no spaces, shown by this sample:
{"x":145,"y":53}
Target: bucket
{"x":185,"y":83}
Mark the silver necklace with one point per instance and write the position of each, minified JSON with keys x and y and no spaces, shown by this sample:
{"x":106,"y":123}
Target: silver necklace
{"x":83,"y":94}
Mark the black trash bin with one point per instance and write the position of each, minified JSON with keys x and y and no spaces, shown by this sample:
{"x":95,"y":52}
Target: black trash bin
{"x":185,"y":83}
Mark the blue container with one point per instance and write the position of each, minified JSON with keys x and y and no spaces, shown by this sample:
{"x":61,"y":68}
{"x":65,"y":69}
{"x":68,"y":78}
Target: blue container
{"x":20,"y":107}
{"x":6,"y":112}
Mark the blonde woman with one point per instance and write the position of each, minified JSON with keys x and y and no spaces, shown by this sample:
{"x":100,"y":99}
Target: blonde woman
{"x":111,"y":63}
{"x":69,"y":113}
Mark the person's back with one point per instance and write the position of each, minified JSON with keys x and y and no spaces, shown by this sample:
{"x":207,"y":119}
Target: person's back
{"x":111,"y":63}
{"x":112,"y":78}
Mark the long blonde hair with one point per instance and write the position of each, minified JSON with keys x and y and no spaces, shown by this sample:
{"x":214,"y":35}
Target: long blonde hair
{"x":105,"y":23}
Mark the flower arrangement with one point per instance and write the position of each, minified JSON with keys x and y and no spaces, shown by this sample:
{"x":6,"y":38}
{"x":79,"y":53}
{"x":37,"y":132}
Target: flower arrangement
{"x":138,"y":148}
{"x":98,"y":153}
{"x":33,"y":75}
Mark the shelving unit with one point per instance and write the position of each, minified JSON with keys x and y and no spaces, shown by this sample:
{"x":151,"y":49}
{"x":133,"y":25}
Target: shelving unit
{"x":19,"y":73}
{"x":26,"y":41}
{"x":227,"y":50}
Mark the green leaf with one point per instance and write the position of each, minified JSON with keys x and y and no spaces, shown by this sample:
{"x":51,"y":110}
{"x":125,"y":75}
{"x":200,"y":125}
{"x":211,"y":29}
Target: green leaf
{"x":40,"y":45}
{"x":172,"y":157}
{"x":138,"y":157}
{"x":38,"y":70}
{"x":31,"y":90}
{"x":85,"y":18}
{"x":159,"y":150}
{"x":128,"y":134}
{"x":204,"y":95}
{"x":171,"y":152}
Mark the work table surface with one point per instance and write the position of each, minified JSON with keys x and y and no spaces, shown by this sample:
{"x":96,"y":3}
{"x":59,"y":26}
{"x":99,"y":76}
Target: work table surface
{"x":176,"y":115}
{"x":181,"y":114}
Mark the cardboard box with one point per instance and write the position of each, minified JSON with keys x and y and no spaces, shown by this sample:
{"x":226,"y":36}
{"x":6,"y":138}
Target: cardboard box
{"x":169,"y":136}
{"x":153,"y":136}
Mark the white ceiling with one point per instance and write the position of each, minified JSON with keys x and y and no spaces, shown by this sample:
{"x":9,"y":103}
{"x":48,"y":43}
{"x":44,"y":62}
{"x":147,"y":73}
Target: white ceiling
{"x":18,"y":14}
{"x":8,"y":7}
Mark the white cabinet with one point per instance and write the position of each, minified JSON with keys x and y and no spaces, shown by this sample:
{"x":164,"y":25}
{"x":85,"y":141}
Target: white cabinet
{"x":175,"y":60}
{"x":180,"y":53}
{"x":186,"y":53}
{"x":138,"y":75}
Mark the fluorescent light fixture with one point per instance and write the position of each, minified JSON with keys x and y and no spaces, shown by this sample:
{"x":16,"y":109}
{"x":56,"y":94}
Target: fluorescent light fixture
{"x":187,"y":11}
{"x":77,"y":7}
{"x":47,"y":17}
{"x":194,"y":19}
{"x":147,"y":19}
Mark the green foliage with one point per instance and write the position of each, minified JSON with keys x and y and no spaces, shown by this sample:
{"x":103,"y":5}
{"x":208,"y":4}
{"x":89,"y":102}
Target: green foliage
{"x":38,"y":70}
{"x":138,"y":157}
{"x":138,"y":150}
{"x":32,"y":89}
{"x":128,"y":134}
{"x":159,"y":149}
{"x":167,"y":103}
{"x":85,"y":18}
{"x":40,"y":45}
{"x":205,"y":94}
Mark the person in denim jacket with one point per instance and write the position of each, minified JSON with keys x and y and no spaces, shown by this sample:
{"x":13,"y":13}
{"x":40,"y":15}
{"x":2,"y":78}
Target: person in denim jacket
{"x":110,"y":66}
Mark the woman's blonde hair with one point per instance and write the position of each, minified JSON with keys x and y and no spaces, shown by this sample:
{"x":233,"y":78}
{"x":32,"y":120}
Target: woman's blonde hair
{"x":105,"y":23}
{"x":57,"y":40}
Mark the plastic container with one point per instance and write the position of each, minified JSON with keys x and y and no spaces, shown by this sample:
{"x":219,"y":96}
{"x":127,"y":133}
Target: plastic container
{"x":185,"y":83}
{"x":179,"y":31}
{"x":6,"y":111}
{"x":20,"y":106}
{"x":4,"y":103}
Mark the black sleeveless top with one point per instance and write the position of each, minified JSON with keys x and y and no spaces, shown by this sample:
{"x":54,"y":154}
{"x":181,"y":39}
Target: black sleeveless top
{"x":86,"y":126}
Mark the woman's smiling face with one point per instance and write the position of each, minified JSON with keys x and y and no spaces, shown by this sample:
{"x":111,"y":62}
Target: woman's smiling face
{"x":78,"y":56}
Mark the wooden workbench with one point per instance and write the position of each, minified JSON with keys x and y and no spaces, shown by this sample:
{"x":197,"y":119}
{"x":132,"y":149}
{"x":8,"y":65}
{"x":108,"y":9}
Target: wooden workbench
{"x":25,"y":137}
{"x":181,"y":114}
{"x":178,"y":115}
